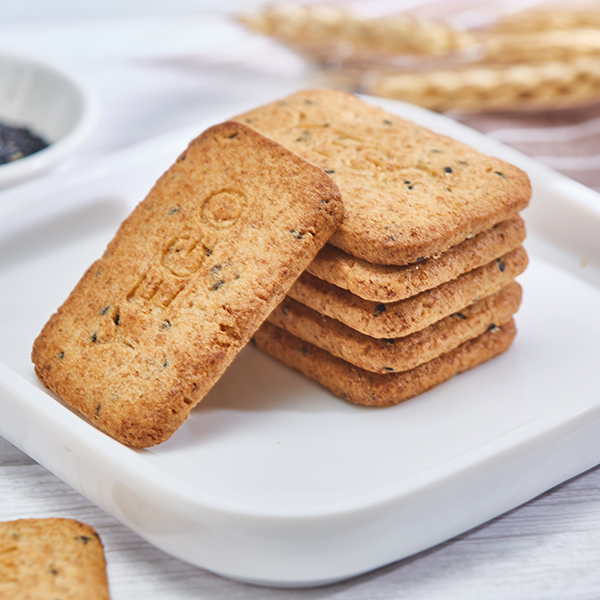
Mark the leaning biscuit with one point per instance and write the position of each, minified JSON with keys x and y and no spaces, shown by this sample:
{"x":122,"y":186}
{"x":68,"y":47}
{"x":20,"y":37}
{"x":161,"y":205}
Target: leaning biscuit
{"x":408,"y":192}
{"x":399,"y":354}
{"x":375,"y":389}
{"x":49,"y":559}
{"x":397,"y":319}
{"x":188,"y":278}
{"x":389,"y":283}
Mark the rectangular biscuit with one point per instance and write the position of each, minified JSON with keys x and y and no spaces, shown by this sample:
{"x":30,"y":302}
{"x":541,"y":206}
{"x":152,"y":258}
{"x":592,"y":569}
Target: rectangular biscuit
{"x":389,"y":283}
{"x":376,"y":389}
{"x":187,"y":279}
{"x":408,"y":192}
{"x":398,"y":319}
{"x":400,"y":354}
{"x":51,"y":558}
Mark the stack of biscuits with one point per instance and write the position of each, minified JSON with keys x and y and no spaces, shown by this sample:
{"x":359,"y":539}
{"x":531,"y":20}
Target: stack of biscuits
{"x":417,"y":283}
{"x":385,"y":255}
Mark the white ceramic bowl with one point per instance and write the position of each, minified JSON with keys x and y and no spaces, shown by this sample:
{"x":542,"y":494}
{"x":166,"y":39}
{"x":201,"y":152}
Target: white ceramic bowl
{"x":51,"y":102}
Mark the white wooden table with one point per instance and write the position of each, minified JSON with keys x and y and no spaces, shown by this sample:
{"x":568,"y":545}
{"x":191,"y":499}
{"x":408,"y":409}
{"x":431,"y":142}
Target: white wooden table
{"x":155,"y":75}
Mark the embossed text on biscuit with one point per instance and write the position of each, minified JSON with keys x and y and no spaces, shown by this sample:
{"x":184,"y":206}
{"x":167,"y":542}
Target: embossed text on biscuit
{"x":222,"y":209}
{"x":184,"y":255}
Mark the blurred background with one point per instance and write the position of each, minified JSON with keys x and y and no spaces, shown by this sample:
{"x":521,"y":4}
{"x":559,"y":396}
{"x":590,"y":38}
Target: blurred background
{"x":522,"y":71}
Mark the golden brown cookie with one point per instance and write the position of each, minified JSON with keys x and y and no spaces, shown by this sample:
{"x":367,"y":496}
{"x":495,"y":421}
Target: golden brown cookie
{"x":188,"y":278}
{"x":408,"y":192}
{"x":48,"y":559}
{"x":400,"y":354}
{"x":389,"y":283}
{"x":374,"y":389}
{"x":397,"y":319}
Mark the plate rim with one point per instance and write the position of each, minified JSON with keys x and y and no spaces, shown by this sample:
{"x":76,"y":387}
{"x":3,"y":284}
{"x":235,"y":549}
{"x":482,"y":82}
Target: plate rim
{"x":556,"y":424}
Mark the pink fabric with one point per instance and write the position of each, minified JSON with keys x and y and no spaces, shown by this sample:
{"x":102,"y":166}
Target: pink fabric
{"x":566,"y":140}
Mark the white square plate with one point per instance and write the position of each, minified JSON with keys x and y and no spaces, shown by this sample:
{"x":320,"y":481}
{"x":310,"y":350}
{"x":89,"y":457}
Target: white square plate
{"x":272,"y":479}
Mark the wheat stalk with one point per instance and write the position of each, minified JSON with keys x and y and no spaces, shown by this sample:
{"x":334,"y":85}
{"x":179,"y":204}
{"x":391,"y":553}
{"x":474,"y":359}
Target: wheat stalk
{"x":545,"y":85}
{"x":320,"y":24}
{"x":538,"y":59}
{"x":539,"y":19}
{"x":554,"y":45}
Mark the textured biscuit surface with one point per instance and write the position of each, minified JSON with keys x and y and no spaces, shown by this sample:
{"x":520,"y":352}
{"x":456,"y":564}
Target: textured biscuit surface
{"x":48,"y":559}
{"x":188,"y":278}
{"x":408,"y":192}
{"x":388,"y":283}
{"x":375,"y":389}
{"x":400,"y":354}
{"x":397,"y":319}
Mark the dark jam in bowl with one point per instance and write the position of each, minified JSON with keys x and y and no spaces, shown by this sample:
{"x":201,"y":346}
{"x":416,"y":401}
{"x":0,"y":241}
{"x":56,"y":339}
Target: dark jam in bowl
{"x":18,"y":142}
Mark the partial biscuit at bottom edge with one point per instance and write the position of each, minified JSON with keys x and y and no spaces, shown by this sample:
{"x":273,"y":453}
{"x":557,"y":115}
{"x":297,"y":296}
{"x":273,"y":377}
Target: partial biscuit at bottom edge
{"x":51,"y":558}
{"x":375,"y":389}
